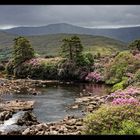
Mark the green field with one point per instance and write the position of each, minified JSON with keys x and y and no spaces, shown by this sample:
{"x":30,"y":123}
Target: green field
{"x":50,"y":44}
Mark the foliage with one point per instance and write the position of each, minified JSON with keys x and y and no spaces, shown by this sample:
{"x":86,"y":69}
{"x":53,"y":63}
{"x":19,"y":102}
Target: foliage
{"x":120,"y":85}
{"x":70,"y":71}
{"x":121,"y":101}
{"x":136,"y":77}
{"x":22,"y":50}
{"x":72,"y":48}
{"x":76,"y":65}
{"x":122,"y":64}
{"x":112,"y":119}
{"x":50,"y":44}
{"x":36,"y":68}
{"x":129,"y":127}
{"x":124,"y":96}
{"x":94,"y":77}
{"x":50,"y":70}
{"x":85,"y":60}
{"x":10,"y":67}
{"x":135,"y":45}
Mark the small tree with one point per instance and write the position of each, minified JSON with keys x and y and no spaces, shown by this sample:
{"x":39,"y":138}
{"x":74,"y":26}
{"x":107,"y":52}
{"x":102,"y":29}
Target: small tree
{"x":72,"y":48}
{"x":22,"y":50}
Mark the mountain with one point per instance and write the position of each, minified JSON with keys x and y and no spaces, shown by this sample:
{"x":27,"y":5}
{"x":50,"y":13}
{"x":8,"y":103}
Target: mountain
{"x":50,"y":44}
{"x":126,"y":34}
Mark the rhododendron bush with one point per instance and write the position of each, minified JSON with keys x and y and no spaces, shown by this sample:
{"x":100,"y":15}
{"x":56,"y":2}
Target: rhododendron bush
{"x":94,"y":77}
{"x":127,"y":96}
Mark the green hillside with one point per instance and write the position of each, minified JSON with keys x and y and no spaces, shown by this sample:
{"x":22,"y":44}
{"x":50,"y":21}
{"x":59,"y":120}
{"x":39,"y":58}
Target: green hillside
{"x":50,"y":44}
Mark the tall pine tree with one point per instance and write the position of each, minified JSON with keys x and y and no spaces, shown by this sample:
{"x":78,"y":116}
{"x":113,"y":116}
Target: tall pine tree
{"x":22,"y":50}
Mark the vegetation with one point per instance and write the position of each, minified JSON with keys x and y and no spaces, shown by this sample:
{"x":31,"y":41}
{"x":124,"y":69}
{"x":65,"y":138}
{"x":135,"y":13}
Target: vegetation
{"x":76,"y":64}
{"x":120,"y":85}
{"x":135,"y":45}
{"x":50,"y":44}
{"x":113,"y":119}
{"x":122,"y":64}
{"x":73,"y":66}
{"x":22,"y":51}
{"x":121,"y":114}
{"x":72,"y":48}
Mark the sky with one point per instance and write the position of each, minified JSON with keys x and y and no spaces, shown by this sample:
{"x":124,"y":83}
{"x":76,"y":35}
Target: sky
{"x":91,"y":16}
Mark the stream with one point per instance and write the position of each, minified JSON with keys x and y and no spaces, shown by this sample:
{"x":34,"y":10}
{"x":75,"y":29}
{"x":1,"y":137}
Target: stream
{"x":51,"y":104}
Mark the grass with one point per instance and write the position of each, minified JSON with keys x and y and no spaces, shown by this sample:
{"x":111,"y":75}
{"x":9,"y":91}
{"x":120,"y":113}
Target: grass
{"x":50,"y":44}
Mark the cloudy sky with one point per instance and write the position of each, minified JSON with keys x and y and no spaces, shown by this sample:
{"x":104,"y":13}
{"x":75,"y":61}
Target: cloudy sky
{"x":81,"y":15}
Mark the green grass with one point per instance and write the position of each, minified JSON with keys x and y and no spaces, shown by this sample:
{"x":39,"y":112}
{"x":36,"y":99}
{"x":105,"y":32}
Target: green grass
{"x":50,"y":44}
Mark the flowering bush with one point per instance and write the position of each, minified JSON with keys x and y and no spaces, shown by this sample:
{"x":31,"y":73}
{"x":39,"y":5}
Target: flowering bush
{"x":94,"y":77}
{"x":126,"y":96}
{"x":121,"y":101}
{"x":131,"y":90}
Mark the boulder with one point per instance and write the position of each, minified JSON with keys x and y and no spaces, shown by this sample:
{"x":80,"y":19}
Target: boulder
{"x":5,"y":115}
{"x":71,"y":122}
{"x":28,"y":119}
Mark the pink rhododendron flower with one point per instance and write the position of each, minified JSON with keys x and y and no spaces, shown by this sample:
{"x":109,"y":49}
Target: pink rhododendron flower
{"x":94,"y":76}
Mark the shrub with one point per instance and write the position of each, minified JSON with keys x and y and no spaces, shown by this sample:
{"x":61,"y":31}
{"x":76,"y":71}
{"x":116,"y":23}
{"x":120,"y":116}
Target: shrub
{"x":129,"y":127}
{"x":10,"y":67}
{"x":121,"y":101}
{"x":137,"y":76}
{"x":127,"y":93}
{"x":35,"y":68}
{"x":111,"y":119}
{"x":70,"y":71}
{"x":94,"y":77}
{"x":85,"y":60}
{"x":123,"y":63}
{"x":50,"y":70}
{"x":120,"y":85}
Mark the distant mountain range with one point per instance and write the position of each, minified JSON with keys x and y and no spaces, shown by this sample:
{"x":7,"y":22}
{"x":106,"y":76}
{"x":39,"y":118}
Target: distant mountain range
{"x":126,"y":34}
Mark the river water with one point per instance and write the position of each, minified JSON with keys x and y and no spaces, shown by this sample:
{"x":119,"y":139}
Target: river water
{"x":51,"y":104}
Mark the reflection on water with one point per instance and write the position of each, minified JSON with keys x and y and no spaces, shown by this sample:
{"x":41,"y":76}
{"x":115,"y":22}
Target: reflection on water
{"x":50,"y":105}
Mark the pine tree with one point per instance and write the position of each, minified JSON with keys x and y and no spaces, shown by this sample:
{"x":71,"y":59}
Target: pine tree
{"x":22,"y":50}
{"x":72,"y":48}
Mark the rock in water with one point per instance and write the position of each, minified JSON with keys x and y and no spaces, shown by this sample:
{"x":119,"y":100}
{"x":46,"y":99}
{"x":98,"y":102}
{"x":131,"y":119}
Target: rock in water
{"x":27,"y":119}
{"x":5,"y":115}
{"x":16,"y":105}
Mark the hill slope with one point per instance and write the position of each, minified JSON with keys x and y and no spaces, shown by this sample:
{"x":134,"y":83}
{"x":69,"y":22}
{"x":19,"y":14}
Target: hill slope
{"x":50,"y":44}
{"x":124,"y":34}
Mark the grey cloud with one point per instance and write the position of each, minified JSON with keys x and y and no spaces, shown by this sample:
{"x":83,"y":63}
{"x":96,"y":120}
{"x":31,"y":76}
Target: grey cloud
{"x":81,"y":15}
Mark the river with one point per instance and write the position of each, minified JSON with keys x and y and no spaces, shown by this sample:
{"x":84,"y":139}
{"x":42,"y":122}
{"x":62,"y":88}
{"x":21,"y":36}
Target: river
{"x":51,"y":104}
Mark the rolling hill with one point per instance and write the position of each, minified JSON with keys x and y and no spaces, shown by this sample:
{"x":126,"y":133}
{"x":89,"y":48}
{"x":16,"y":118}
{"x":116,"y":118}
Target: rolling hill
{"x":50,"y":44}
{"x":126,"y":34}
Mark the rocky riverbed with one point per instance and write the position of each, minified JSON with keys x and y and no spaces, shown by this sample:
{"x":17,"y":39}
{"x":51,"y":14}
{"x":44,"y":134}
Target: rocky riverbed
{"x":28,"y":124}
{"x":16,"y":117}
{"x":26,"y":86}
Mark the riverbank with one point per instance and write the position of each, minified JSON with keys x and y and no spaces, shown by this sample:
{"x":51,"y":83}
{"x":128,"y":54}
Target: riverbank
{"x":60,"y":113}
{"x":17,"y":116}
{"x":26,"y":86}
{"x":70,"y":125}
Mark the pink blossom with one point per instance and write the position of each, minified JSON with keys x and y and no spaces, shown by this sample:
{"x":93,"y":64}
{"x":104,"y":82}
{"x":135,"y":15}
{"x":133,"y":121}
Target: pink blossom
{"x":94,"y":76}
{"x":122,"y":101}
{"x":125,"y":96}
